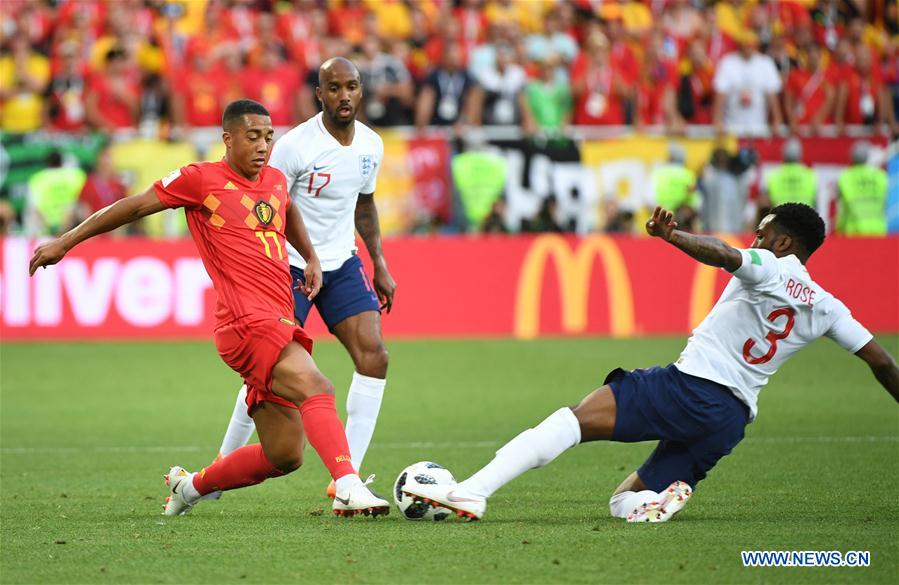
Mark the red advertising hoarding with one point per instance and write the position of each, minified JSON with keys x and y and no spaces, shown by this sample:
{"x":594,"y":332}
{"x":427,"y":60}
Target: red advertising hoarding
{"x":448,"y":287}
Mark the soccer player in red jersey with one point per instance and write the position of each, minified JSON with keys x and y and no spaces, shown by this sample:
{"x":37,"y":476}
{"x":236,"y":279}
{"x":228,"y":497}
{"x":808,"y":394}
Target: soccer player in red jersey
{"x":240,"y":214}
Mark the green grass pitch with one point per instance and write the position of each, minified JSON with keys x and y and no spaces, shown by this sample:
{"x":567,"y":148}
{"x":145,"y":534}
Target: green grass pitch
{"x":89,"y":429}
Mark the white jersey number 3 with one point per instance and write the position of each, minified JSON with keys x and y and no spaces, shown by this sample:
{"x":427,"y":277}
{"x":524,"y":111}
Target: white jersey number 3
{"x":773,"y":337}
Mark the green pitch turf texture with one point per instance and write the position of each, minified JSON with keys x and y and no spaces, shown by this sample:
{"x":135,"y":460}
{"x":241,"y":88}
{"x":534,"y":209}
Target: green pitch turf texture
{"x":89,"y":429}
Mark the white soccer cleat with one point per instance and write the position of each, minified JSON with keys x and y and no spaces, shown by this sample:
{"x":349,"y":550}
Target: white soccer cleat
{"x":360,"y":500}
{"x":176,"y":504}
{"x":672,"y":501}
{"x":462,"y":503}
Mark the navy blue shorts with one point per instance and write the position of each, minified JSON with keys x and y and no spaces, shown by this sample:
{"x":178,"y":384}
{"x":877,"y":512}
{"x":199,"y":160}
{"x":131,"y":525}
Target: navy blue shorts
{"x":696,"y":421}
{"x":345,"y":292}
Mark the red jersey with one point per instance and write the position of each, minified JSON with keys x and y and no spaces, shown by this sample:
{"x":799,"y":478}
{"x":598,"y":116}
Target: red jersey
{"x":238,"y":227}
{"x":809,"y":90}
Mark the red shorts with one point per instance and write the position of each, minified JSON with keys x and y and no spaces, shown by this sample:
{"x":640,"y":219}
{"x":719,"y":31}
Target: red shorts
{"x":252,"y":345}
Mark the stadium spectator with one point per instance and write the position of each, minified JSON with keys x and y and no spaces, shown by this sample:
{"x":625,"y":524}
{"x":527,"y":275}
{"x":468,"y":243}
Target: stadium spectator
{"x":546,"y":104}
{"x":389,"y":91}
{"x":746,"y":87}
{"x":52,"y":193}
{"x":547,"y":218}
{"x":24,"y":75}
{"x":346,"y":19}
{"x":494,"y":223}
{"x":674,"y":187}
{"x":66,"y":93}
{"x":791,"y":182}
{"x":199,"y":93}
{"x":445,"y":98}
{"x":621,"y":53}
{"x":656,"y":89}
{"x":302,"y":26}
{"x":498,"y":94}
{"x":101,"y":188}
{"x":695,"y":93}
{"x":552,"y":40}
{"x":275,"y":84}
{"x":717,"y":43}
{"x":682,"y":21}
{"x":862,"y":97}
{"x":598,"y":87}
{"x":810,"y":92}
{"x":472,"y":23}
{"x":862,"y":196}
{"x":479,"y":177}
{"x":725,"y":191}
{"x":113,"y":95}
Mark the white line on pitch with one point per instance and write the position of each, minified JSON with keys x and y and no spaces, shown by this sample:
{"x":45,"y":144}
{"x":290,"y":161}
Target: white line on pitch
{"x":416,"y":445}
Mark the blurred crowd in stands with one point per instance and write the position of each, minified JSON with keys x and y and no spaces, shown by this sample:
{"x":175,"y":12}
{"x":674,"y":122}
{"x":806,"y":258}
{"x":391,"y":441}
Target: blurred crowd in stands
{"x":164,"y":68}
{"x":167,"y":65}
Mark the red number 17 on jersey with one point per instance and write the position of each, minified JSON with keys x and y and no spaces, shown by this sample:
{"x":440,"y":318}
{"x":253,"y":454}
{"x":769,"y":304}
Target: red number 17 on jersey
{"x":318,"y":190}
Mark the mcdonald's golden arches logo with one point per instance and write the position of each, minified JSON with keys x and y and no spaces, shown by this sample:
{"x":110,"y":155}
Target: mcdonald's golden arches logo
{"x":573,"y":268}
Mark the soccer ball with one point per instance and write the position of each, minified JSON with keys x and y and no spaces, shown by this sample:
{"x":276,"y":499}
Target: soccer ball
{"x":421,"y":472}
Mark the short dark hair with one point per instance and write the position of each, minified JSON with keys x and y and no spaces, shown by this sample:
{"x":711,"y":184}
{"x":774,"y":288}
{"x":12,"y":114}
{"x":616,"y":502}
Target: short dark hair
{"x":802,"y":222}
{"x":239,"y":108}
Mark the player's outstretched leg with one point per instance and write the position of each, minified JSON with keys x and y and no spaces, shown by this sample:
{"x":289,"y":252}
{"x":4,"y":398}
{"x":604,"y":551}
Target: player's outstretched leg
{"x":593,"y":419}
{"x":296,"y":378}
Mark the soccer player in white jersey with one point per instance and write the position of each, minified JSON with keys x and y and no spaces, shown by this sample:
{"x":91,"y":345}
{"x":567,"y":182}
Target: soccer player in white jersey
{"x":698,"y":406}
{"x":331,"y":162}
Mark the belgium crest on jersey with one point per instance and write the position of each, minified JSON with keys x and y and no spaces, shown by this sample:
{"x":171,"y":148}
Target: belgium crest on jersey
{"x":366,"y":165}
{"x":264,"y":212}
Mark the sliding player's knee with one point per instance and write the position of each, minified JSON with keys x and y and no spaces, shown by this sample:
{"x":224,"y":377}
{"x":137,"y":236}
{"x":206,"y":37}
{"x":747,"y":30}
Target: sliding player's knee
{"x":596,"y":415}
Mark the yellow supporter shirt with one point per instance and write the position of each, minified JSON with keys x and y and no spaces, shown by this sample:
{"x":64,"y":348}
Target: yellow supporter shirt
{"x":22,"y":110}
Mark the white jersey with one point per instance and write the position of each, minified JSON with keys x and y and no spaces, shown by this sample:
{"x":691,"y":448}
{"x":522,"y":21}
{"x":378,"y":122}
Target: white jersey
{"x":770,"y":309}
{"x":325,"y":179}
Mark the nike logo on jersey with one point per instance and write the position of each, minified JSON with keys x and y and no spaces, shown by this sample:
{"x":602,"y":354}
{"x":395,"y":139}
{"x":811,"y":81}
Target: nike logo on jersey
{"x":317,"y":167}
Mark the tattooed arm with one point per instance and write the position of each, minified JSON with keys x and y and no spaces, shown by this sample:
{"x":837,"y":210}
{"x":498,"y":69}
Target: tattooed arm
{"x":707,"y":249}
{"x":370,"y":230}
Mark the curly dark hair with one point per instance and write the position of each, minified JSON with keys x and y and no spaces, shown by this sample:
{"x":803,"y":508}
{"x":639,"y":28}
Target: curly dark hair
{"x":237,"y":109}
{"x":802,"y":222}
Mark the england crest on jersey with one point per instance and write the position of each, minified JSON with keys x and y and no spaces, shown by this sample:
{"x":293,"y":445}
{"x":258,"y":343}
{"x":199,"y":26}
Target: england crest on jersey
{"x":366,"y":165}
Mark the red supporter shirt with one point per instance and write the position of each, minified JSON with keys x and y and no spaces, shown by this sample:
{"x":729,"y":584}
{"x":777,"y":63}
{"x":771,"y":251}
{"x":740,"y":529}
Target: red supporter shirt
{"x":238,"y":227}
{"x":276,"y":88}
{"x":863,"y":92}
{"x":115,"y":111}
{"x":808,"y":89}
{"x":203,"y":91}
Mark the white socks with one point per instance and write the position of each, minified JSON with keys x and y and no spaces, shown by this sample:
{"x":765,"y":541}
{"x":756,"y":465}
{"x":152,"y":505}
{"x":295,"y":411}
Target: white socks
{"x":623,"y":504}
{"x":533,"y":448}
{"x":349,"y":481}
{"x":240,"y":427}
{"x":363,"y":402}
{"x":190,"y":493}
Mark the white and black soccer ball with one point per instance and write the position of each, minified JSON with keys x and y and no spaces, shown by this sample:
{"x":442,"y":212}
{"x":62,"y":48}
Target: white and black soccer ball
{"x":423,"y":472}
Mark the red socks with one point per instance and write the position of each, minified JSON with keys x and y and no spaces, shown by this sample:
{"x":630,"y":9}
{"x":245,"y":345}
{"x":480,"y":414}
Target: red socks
{"x":245,"y":466}
{"x":326,"y":435}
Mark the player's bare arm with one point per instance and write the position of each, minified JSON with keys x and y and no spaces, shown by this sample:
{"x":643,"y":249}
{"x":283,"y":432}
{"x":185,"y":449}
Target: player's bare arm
{"x":882,"y":365}
{"x":296,"y":234}
{"x":370,"y":230}
{"x":707,"y":249}
{"x":121,"y":212}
